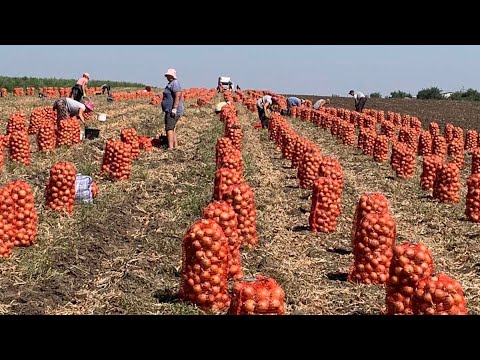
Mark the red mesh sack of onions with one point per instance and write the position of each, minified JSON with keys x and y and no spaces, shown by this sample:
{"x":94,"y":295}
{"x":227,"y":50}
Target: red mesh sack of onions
{"x":40,"y":116}
{"x":4,"y":140}
{"x":439,"y":295}
{"x":410,"y":263}
{"x":19,"y":147}
{"x":223,"y":147}
{"x":68,"y":132}
{"x":17,"y":122}
{"x":130,"y":136}
{"x":46,"y":136}
{"x":472,"y":201}
{"x":326,"y":205}
{"x":235,"y":134}
{"x":471,"y":141}
{"x":205,"y":266}
{"x":225,"y":177}
{"x":446,"y":187}
{"x":301,"y":146}
{"x":117,"y":160}
{"x":308,"y":168}
{"x":367,"y":203}
{"x":25,"y":221}
{"x":288,"y":142}
{"x":233,"y":160}
{"x":222,"y":213}
{"x":242,"y":199}
{"x":259,"y":296}
{"x":425,"y":143}
{"x":60,"y":189}
{"x":145,"y":143}
{"x":430,"y":165}
{"x":372,"y":249}
{"x":18,"y":217}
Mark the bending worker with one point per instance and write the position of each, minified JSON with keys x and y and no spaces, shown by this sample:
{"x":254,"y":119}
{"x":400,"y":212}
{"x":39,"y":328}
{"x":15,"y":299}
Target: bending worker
{"x":294,"y":101}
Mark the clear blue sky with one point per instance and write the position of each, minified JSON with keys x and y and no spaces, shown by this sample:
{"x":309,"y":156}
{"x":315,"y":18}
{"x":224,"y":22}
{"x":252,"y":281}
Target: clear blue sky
{"x":297,"y":69}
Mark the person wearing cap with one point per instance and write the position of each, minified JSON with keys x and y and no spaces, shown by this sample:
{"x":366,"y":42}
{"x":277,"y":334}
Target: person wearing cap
{"x":172,"y":106}
{"x":263,"y":104}
{"x":220,"y":106}
{"x":321,"y":103}
{"x":67,"y":107}
{"x":80,"y":88}
{"x":360,"y":100}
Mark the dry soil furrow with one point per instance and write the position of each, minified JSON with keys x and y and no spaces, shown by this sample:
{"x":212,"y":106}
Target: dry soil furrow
{"x":310,"y":267}
{"x":442,"y":227}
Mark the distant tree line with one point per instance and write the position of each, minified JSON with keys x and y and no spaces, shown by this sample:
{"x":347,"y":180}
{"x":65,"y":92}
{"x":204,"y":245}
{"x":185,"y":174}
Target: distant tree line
{"x":23,"y":82}
{"x":434,"y":93}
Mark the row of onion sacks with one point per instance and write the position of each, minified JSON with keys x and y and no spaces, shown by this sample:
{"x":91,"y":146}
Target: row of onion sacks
{"x":205,"y":275}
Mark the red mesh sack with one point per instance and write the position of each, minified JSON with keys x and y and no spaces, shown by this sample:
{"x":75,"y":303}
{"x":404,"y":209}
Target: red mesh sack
{"x":410,"y":263}
{"x":222,"y":213}
{"x":439,"y":295}
{"x":259,"y":296}
{"x":205,"y":266}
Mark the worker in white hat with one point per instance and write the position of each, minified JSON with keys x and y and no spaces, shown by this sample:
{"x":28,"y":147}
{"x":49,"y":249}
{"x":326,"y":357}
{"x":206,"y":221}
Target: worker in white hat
{"x":172,"y":106}
{"x":220,"y":105}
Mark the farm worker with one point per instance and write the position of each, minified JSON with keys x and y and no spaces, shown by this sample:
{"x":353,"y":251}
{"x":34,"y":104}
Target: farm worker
{"x":80,"y":88}
{"x":263,"y":104}
{"x":148,"y":88}
{"x":294,"y":101}
{"x":172,"y":106}
{"x":67,"y":108}
{"x":321,"y":103}
{"x":360,"y":100}
{"x":220,"y":105}
{"x":106,"y":87}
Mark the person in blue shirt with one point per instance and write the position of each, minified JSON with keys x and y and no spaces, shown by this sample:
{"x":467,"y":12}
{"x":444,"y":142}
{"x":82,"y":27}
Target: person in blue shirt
{"x":172,"y":106}
{"x":293,"y":101}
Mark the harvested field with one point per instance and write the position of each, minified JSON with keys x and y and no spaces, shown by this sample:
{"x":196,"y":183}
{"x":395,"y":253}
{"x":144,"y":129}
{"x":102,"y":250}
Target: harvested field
{"x":465,"y":114}
{"x":122,"y":255}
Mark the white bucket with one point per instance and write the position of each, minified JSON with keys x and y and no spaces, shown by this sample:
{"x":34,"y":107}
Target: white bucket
{"x":102,"y":117}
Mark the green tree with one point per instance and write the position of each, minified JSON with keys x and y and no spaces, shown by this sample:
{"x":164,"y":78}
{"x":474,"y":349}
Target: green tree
{"x":376,"y":95}
{"x":469,"y":95}
{"x":430,"y":93}
{"x":22,"y":82}
{"x":400,"y":95}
